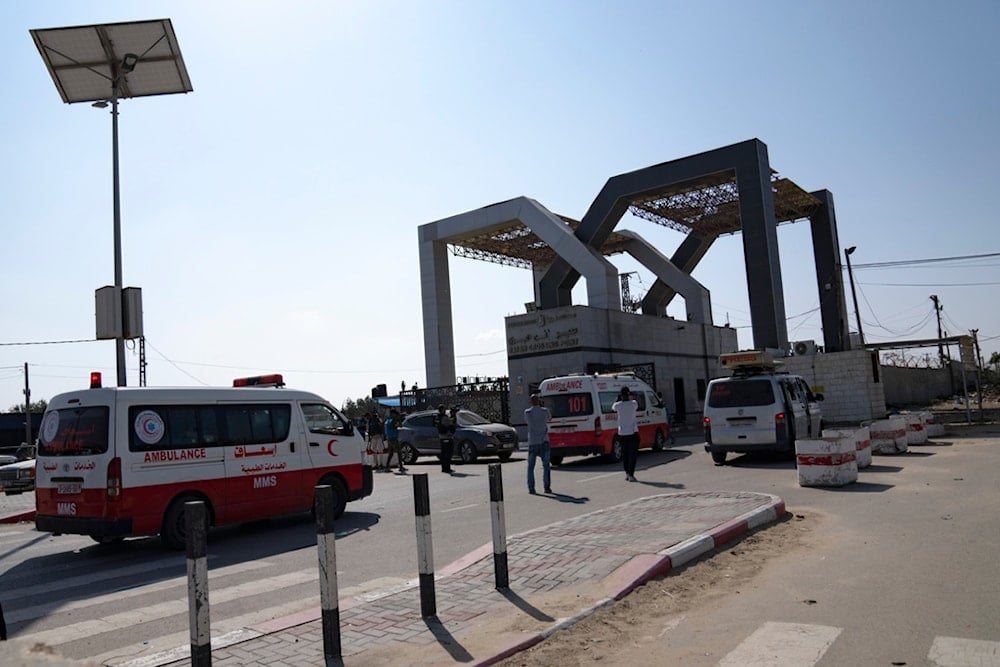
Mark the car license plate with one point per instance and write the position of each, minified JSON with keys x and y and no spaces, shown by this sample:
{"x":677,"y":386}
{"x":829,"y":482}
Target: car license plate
{"x":69,"y":487}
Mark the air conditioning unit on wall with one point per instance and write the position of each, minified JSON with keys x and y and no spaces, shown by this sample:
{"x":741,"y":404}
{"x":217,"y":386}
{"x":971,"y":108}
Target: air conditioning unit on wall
{"x":803,"y":348}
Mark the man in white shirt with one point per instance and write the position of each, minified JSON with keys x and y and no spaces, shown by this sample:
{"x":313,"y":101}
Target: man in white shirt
{"x":628,"y":431}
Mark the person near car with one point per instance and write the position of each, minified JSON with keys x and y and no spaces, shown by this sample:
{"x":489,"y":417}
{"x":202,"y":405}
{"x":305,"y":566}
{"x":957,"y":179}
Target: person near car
{"x":446,"y":435}
{"x":628,"y":431}
{"x":537,"y":417}
{"x":376,"y":442}
{"x":391,"y":426}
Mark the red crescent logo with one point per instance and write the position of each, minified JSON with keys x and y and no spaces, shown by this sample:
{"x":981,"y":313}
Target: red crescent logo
{"x":329,"y":448}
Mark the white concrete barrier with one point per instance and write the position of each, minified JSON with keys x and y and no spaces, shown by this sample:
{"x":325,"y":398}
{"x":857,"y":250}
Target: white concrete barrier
{"x":915,"y":433}
{"x":888,"y":436}
{"x":862,"y":442}
{"x":826,"y":461}
{"x":931,"y":425}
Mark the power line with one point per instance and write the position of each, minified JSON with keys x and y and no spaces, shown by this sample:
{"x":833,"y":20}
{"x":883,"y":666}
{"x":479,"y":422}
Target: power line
{"x":930,"y":284}
{"x":914,"y":262}
{"x":51,"y":342}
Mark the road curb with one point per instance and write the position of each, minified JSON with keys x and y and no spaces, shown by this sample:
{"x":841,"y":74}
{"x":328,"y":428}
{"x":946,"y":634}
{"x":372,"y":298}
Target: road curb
{"x":649,"y":567}
{"x":18,"y":518}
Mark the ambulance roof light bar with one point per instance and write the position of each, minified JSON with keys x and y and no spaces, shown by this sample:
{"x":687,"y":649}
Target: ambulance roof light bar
{"x":748,"y":361}
{"x":272,"y":380}
{"x":95,"y":379}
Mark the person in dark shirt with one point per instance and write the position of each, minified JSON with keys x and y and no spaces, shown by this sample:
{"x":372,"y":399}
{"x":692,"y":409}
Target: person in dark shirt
{"x":446,"y":434}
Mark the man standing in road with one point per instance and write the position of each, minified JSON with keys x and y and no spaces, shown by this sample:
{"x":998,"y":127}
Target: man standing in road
{"x":537,"y":418}
{"x":392,"y":438}
{"x":446,"y":436}
{"x":628,"y":431}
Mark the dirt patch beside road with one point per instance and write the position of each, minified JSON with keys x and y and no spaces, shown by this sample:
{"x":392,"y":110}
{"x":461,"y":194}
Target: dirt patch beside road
{"x":629,"y":632}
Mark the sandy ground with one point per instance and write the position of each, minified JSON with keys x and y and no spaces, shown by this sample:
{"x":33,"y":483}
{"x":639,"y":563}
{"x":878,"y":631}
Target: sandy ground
{"x":628,"y":632}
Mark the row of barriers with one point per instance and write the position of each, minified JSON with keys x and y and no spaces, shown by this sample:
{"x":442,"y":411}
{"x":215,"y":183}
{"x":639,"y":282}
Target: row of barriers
{"x":835,"y":458}
{"x":196,"y":518}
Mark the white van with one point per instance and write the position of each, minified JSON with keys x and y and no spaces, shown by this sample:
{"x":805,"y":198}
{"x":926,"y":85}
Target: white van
{"x":583,"y":422}
{"x":758,"y":409}
{"x":116,"y":462}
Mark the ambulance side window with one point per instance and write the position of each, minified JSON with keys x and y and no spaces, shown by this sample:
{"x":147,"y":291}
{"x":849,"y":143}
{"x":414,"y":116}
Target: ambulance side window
{"x":608,"y":399}
{"x":322,"y":419}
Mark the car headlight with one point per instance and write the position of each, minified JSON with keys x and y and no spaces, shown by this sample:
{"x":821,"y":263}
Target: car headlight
{"x":26,"y":474}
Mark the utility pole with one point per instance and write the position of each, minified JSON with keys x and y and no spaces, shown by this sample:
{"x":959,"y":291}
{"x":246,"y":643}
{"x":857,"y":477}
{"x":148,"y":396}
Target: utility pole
{"x":854,"y":295}
{"x":979,"y":370}
{"x":937,"y":311}
{"x":27,"y":407}
{"x":627,"y":304}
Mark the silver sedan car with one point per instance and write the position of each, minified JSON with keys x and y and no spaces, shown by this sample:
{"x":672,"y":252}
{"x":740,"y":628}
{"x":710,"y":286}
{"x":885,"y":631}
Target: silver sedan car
{"x":475,"y":436}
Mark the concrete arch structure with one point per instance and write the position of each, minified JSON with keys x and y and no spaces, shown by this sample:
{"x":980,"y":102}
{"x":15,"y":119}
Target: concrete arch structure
{"x":435,"y":281}
{"x":726,"y":190}
{"x":697,"y":299}
{"x":748,"y":161}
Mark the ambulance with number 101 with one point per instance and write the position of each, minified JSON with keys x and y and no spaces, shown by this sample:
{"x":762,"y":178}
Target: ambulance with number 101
{"x":583,"y":422}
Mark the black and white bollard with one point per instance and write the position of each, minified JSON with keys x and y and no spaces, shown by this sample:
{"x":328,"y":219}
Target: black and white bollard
{"x":328,"y":594}
{"x":425,"y":550}
{"x":499,"y":528}
{"x":197,"y":566}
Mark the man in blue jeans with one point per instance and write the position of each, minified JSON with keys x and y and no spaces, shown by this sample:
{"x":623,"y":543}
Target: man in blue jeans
{"x":537,"y":418}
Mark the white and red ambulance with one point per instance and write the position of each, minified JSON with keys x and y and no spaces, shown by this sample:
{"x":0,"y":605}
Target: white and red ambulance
{"x":583,"y":422}
{"x":116,"y":462}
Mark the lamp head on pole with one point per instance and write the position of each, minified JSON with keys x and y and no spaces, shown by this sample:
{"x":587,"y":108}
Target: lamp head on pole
{"x":850,"y":251}
{"x":129,"y":62}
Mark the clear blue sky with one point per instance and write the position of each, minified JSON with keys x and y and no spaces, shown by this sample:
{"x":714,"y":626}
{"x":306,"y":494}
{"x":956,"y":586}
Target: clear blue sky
{"x":270,"y":216}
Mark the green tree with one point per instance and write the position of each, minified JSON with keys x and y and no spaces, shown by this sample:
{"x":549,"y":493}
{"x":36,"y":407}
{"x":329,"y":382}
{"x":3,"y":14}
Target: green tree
{"x":355,"y":408}
{"x":37,"y":407}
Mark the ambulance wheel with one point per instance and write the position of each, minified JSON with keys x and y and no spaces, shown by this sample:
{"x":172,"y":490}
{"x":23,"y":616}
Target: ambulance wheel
{"x":173,"y":533}
{"x":659,"y":441}
{"x":407,"y":454}
{"x":719,"y":458}
{"x":616,"y":450}
{"x":467,"y":451}
{"x":339,"y":495}
{"x":556,"y":460}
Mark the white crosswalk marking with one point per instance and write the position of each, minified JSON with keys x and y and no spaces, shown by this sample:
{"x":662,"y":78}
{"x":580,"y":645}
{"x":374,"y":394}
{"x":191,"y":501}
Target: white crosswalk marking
{"x":786,"y":644}
{"x":37,"y":611}
{"x":109,"y":623}
{"x":956,"y":652}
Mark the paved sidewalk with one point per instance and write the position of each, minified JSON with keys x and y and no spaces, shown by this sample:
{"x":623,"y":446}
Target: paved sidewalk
{"x":558,"y":575}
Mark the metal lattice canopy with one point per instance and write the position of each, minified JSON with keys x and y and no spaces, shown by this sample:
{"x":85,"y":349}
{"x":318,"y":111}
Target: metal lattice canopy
{"x":708,"y":206}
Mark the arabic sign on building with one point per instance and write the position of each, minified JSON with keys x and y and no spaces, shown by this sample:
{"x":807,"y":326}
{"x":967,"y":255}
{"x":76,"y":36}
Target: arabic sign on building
{"x":543,"y":333}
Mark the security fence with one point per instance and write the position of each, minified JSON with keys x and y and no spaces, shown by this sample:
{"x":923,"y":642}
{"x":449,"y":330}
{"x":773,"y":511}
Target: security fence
{"x":489,"y":397}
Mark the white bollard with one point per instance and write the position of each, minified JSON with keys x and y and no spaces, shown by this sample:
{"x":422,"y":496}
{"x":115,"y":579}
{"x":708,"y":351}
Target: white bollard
{"x":915,"y":433}
{"x":888,"y":436}
{"x":862,"y":442}
{"x":826,"y":461}
{"x":931,"y":425}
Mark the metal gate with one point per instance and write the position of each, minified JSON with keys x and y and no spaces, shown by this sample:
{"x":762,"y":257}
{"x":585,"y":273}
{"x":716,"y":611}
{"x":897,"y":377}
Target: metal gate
{"x":489,"y":397}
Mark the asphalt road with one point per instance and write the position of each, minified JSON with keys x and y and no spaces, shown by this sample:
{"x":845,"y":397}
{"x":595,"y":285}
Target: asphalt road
{"x":909,"y":553}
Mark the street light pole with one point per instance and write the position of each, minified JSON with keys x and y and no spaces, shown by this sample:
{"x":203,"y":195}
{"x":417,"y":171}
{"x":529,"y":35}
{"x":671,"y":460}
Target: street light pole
{"x":82,"y":61}
{"x":120,"y":340}
{"x":854,"y":295}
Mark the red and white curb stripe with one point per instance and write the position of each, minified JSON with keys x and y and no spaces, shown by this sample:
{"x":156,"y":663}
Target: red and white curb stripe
{"x":646,"y":567}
